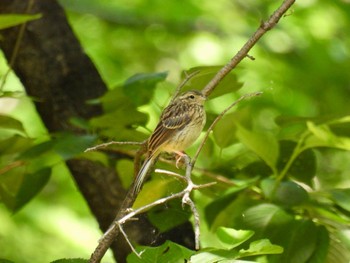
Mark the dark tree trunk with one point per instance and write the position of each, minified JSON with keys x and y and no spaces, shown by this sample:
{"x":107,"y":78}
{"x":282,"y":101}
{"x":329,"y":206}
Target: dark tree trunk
{"x":54,"y":69}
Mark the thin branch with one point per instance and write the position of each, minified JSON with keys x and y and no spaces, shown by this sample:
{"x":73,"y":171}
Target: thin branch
{"x":105,"y":145}
{"x":169,"y":173}
{"x":218,"y":118}
{"x":243,"y":52}
{"x":183,"y":83}
{"x":128,"y":241}
{"x":115,"y":228}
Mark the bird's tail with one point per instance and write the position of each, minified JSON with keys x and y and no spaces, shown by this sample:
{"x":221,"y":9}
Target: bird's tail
{"x":147,"y":164}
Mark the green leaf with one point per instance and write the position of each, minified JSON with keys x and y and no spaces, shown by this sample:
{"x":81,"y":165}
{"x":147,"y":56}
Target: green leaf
{"x":9,"y":20}
{"x":301,"y":244}
{"x":266,"y":219}
{"x":168,"y":252}
{"x":139,"y":88}
{"x":125,"y":170}
{"x":338,"y":251}
{"x":2,"y":260}
{"x":15,"y":144}
{"x":322,"y":247}
{"x":303,"y":167}
{"x":66,"y":145}
{"x":119,"y":125}
{"x":341,"y":197}
{"x":213,"y":255}
{"x":287,"y":193}
{"x":155,"y":189}
{"x":260,"y":247}
{"x":231,"y":238}
{"x":169,"y":216}
{"x":205,"y":73}
{"x":70,"y":145}
{"x":31,"y":186}
{"x":322,"y":136}
{"x":224,"y":209}
{"x":10,"y":123}
{"x":264,"y":145}
{"x":18,"y":187}
{"x":71,"y":260}
{"x":225,"y":130}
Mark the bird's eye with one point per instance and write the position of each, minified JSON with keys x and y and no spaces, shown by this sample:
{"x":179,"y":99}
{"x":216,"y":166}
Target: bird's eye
{"x":191,"y":97}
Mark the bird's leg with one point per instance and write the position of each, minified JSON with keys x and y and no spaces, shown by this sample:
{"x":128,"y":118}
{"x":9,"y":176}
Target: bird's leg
{"x":179,"y":156}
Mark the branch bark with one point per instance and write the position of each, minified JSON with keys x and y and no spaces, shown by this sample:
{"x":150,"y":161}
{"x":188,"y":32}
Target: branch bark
{"x":243,"y":52}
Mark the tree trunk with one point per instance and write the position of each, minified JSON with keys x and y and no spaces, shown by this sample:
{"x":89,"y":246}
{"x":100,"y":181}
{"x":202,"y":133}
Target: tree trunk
{"x":54,"y":69}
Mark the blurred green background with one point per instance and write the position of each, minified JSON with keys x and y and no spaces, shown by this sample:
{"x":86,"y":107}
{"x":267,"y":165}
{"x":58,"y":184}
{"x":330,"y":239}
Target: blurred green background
{"x":302,"y":66}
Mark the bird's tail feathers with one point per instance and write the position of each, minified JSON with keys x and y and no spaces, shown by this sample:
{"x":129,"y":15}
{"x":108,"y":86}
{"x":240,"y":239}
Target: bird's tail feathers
{"x":147,"y":164}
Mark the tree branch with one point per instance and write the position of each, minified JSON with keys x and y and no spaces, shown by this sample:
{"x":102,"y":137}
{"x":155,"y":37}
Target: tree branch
{"x":114,"y":229}
{"x":243,"y":52}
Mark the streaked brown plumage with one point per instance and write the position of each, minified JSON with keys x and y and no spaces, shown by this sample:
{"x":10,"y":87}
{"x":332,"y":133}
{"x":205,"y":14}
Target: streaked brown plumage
{"x":180,"y":125}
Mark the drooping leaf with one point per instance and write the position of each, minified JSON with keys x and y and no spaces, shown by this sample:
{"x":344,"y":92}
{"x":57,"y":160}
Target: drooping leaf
{"x":18,"y":187}
{"x":338,"y":249}
{"x":267,"y":220}
{"x":70,"y":145}
{"x":300,"y":242}
{"x":9,"y":20}
{"x":125,"y":170}
{"x":264,"y":145}
{"x":139,"y":88}
{"x":213,"y":255}
{"x":32,"y":184}
{"x":169,"y":216}
{"x":341,"y":197}
{"x":231,"y":238}
{"x":15,"y":144}
{"x":303,"y":167}
{"x":230,"y":205}
{"x":322,"y":246}
{"x":121,"y":126}
{"x":66,"y":145}
{"x":287,"y":193}
{"x":260,"y":247}
{"x":225,"y":130}
{"x":168,"y":252}
{"x":7,"y":122}
{"x":322,"y":136}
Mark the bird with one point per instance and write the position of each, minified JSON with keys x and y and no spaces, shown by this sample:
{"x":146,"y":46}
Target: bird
{"x":180,"y":124}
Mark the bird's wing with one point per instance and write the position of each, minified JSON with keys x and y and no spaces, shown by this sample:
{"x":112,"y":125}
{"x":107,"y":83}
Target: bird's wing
{"x":173,"y":119}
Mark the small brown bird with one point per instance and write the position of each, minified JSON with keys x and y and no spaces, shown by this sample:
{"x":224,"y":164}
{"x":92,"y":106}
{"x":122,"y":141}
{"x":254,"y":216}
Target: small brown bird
{"x":180,"y":124}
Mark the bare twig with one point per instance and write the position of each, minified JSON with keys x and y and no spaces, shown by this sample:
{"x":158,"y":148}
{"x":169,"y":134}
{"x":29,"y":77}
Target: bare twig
{"x":243,"y":52}
{"x":105,"y":145}
{"x":218,"y":118}
{"x":128,"y":241}
{"x":184,"y":194}
{"x":183,"y":83}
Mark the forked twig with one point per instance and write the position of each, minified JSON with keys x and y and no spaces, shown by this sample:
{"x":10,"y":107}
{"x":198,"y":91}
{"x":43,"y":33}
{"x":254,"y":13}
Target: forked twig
{"x":184,"y":194}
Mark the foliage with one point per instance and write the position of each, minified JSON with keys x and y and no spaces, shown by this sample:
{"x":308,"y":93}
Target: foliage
{"x":284,"y":156}
{"x":16,"y":19}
